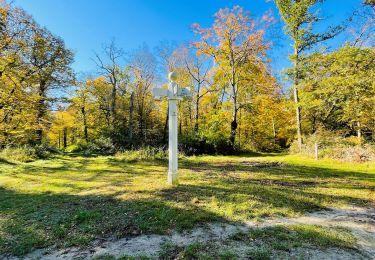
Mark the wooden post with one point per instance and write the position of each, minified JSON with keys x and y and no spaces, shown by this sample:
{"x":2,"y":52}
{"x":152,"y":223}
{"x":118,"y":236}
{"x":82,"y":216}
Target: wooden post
{"x":316,"y":151}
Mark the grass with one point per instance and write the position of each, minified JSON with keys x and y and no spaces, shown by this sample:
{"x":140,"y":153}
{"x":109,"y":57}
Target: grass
{"x":264,"y":243}
{"x":72,"y":200}
{"x":287,"y":237}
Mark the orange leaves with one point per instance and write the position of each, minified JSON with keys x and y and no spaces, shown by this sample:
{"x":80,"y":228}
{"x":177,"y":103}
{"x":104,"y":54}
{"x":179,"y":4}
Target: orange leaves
{"x":232,"y":28}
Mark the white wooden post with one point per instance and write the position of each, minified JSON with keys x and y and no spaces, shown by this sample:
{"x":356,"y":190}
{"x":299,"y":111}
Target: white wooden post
{"x":174,"y":94}
{"x":173,"y":149}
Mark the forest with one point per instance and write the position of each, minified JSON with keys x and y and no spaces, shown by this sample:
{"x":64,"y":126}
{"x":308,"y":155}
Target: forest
{"x":276,"y":145}
{"x":327,"y":97}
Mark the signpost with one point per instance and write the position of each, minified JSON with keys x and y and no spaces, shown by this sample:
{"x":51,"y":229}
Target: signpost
{"x":173,"y":93}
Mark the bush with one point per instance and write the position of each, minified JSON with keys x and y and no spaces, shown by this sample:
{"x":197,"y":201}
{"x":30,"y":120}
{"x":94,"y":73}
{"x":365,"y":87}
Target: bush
{"x":195,"y":145}
{"x":331,"y":145}
{"x":103,"y":146}
{"x":74,"y":148}
{"x":27,"y":153}
{"x":143,"y":154}
{"x":356,"y":154}
{"x":262,"y":144}
{"x":43,"y":151}
{"x":18,"y":154}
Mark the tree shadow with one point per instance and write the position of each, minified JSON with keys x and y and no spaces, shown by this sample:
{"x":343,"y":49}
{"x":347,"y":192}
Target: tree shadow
{"x":29,"y":221}
{"x":280,"y":169}
{"x":221,"y":192}
{"x":4,"y":161}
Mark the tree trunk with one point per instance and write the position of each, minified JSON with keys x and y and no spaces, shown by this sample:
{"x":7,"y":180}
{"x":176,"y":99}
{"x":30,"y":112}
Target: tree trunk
{"x":273,"y":130}
{"x":85,"y":128}
{"x":180,"y":128}
{"x":196,"y":126}
{"x":296,"y":100}
{"x":359,"y":131}
{"x":41,"y":111}
{"x":113,"y":104}
{"x":59,"y":139}
{"x":233,"y":83}
{"x":316,"y":151}
{"x":298,"y":117}
{"x":141,"y":124}
{"x":233,"y":126}
{"x":65,"y":137}
{"x":131,"y":111}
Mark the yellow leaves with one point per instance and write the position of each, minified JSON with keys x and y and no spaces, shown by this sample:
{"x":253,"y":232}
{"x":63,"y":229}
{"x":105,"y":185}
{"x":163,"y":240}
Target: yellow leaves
{"x":97,"y":81}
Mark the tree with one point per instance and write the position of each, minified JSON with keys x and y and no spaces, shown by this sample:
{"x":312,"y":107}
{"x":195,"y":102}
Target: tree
{"x":361,"y":25}
{"x":339,"y":89}
{"x":15,"y":102}
{"x":112,"y":72}
{"x":32,"y":62}
{"x":143,"y":66}
{"x":236,"y":44}
{"x":370,"y":3}
{"x":50,"y":60}
{"x":198,"y":69}
{"x":102,"y":99}
{"x":299,"y":20}
{"x":82,"y":101}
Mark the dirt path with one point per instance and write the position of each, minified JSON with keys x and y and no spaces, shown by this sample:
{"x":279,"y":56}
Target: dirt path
{"x":360,"y":221}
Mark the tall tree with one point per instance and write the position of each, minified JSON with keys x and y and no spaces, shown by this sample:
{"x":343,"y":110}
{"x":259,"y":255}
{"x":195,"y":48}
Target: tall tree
{"x":109,"y":66}
{"x":82,"y":101}
{"x":15,"y":103}
{"x":198,"y":69}
{"x":236,"y":44}
{"x":299,"y":20}
{"x":51,"y":61}
{"x":143,"y":66}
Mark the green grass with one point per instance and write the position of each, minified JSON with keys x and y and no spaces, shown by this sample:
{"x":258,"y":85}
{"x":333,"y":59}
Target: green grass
{"x":265,"y":243}
{"x":291,"y":236}
{"x":72,"y":200}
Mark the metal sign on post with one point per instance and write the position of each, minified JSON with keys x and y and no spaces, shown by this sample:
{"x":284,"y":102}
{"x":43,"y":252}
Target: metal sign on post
{"x":174,"y":93}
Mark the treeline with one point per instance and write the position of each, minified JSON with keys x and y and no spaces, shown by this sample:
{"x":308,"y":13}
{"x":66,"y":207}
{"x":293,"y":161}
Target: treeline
{"x":237,"y":103}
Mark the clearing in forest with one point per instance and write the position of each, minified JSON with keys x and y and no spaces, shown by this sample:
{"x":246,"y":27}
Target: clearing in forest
{"x":225,"y":207}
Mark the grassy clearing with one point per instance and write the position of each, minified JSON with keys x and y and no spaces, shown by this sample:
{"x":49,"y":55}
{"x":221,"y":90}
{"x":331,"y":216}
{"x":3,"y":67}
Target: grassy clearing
{"x":264,"y":243}
{"x":72,"y":200}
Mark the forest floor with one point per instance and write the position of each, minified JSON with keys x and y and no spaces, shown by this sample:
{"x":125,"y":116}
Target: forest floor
{"x":226,"y":207}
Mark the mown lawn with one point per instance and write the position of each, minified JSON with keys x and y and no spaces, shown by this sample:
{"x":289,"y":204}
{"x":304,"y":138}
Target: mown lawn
{"x":72,"y":200}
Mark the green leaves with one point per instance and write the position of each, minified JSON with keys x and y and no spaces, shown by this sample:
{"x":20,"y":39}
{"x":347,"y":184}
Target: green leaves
{"x":339,"y":86}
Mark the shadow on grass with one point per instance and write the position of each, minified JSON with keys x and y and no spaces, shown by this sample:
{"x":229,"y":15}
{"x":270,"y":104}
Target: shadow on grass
{"x":30,"y":221}
{"x":34,"y":220}
{"x":4,"y":161}
{"x":280,"y":169}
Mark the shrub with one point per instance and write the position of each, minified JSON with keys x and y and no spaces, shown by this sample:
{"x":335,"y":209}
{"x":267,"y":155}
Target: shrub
{"x":73,"y":148}
{"x":357,"y":153}
{"x":43,"y":151}
{"x":102,"y":146}
{"x":143,"y":154}
{"x":195,"y":145}
{"x":331,"y":145}
{"x":26,"y":153}
{"x":18,"y":154}
{"x":80,"y":146}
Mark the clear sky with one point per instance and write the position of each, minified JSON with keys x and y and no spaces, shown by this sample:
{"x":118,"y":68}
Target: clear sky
{"x":86,"y":24}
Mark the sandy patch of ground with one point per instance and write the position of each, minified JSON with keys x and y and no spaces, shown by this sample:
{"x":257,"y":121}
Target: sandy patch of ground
{"x":360,"y":221}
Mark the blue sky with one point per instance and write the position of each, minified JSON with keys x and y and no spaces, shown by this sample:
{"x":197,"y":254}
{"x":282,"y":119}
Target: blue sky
{"x":86,"y":24}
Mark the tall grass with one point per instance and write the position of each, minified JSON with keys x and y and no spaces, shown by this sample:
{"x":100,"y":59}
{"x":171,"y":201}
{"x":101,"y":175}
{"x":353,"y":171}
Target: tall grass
{"x":143,"y":154}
